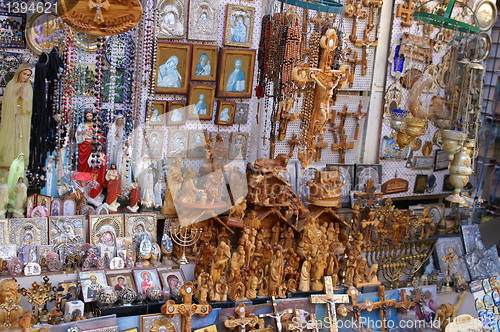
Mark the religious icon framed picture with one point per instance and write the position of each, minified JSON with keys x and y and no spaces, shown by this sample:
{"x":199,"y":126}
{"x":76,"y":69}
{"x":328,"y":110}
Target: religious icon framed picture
{"x":176,"y":112}
{"x":201,"y":101}
{"x":238,"y":146}
{"x":120,"y":280}
{"x":157,"y":112}
{"x":203,"y":20}
{"x":225,"y":113}
{"x":160,"y":323}
{"x":239,"y":26}
{"x":197,"y":144}
{"x":172,"y":67}
{"x":91,"y":282}
{"x":177,"y":143}
{"x":153,"y":143}
{"x":204,"y":65}
{"x":173,"y":279}
{"x":172,"y":19}
{"x":145,"y":279}
{"x":104,"y":229}
{"x":241,"y":113}
{"x":138,"y":224}
{"x":236,"y":67}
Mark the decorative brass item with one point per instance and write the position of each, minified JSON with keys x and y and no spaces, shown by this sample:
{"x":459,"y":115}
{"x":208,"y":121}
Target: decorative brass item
{"x":39,"y":295}
{"x":184,"y":236}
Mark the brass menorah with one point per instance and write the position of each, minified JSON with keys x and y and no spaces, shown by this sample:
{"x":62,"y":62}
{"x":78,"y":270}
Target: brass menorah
{"x":184,"y":236}
{"x":396,"y":260}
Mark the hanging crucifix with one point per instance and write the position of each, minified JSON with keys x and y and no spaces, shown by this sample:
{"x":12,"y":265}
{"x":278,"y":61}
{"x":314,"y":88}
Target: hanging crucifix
{"x":404,"y":304}
{"x":242,"y":320}
{"x":342,"y":147}
{"x":353,"y":9}
{"x":358,"y":115}
{"x":285,"y":116}
{"x":326,"y":80}
{"x":353,"y":62}
{"x":319,"y":147}
{"x":330,"y":299}
{"x":293,"y":142}
{"x":277,"y":315}
{"x":355,"y":307}
{"x":383,"y":305}
{"x":186,"y":309}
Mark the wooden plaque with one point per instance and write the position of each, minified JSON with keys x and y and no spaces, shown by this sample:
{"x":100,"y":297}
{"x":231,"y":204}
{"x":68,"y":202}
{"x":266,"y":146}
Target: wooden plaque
{"x":395,"y":186}
{"x":100,"y":17}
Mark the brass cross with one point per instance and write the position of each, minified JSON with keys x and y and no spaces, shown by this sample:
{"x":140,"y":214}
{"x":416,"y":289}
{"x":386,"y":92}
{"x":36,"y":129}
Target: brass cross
{"x":326,"y":80}
{"x":331,"y":299}
{"x":320,"y":146}
{"x":277,"y":315}
{"x":383,"y":305}
{"x":355,"y":307}
{"x":242,"y":319}
{"x":358,"y":116}
{"x":342,"y":147}
{"x":449,"y":258}
{"x":406,"y":12}
{"x":186,"y":309}
{"x":98,"y":5}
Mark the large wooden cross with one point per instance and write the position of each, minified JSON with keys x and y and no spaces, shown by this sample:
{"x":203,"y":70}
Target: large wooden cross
{"x":383,"y":305}
{"x":277,"y":315}
{"x":355,"y":307}
{"x":326,"y":79}
{"x":331,"y":299}
{"x":342,"y":147}
{"x":186,"y":309}
{"x":242,"y":320}
{"x":319,"y":147}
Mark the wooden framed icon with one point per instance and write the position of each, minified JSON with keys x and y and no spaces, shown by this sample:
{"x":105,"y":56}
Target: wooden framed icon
{"x":201,"y":101}
{"x":176,"y":112}
{"x":120,"y":280}
{"x":225,"y":113}
{"x":157,"y":112}
{"x":236,"y":67}
{"x":172,"y":67}
{"x":145,"y":279}
{"x":239,"y":26}
{"x":204,"y":64}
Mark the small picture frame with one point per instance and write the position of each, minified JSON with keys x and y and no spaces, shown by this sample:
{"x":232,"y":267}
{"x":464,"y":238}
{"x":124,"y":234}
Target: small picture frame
{"x":157,"y":113}
{"x":423,"y":162}
{"x":121,"y":280}
{"x":145,"y":279}
{"x":203,"y":20}
{"x":201,"y":101}
{"x":239,"y":26}
{"x":441,"y":161}
{"x":172,"y":67}
{"x":153,"y":143}
{"x":69,"y":207}
{"x":176,"y":112}
{"x":56,"y":207}
{"x":204,"y":65}
{"x":389,"y":149}
{"x":239,"y":145}
{"x":153,"y":322}
{"x":23,"y":230}
{"x":173,"y":19}
{"x":91,"y":281}
{"x":241,"y":114}
{"x":104,"y":229}
{"x":142,"y":223}
{"x":225,"y":113}
{"x":177,"y":143}
{"x":458,"y":265}
{"x":236,"y":67}
{"x":68,"y":287}
{"x":197,"y":144}
{"x":172,"y":278}
{"x":67,"y":232}
{"x":420,"y":183}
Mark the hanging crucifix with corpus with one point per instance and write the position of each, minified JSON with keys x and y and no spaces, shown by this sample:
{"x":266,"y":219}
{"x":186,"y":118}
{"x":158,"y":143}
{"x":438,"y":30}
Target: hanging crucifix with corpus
{"x":327,"y":80}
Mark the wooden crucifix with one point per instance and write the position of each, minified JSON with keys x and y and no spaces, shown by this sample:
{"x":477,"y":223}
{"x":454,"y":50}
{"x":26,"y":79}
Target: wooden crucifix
{"x":404,"y":304}
{"x":277,"y":315}
{"x":353,"y":62}
{"x":285,"y":116}
{"x":343,"y":115}
{"x":326,"y":80}
{"x":358,"y":115}
{"x":355,"y":307}
{"x":330,"y":299}
{"x":187,"y":308}
{"x":383,"y":305}
{"x":293,"y":142}
{"x":242,"y":320}
{"x":320,"y":146}
{"x":371,"y":4}
{"x":342,"y":147}
{"x":354,"y":9}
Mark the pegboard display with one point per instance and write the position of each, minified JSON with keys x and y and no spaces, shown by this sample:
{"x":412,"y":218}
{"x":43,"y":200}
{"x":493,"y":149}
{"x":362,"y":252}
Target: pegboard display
{"x":405,"y":168}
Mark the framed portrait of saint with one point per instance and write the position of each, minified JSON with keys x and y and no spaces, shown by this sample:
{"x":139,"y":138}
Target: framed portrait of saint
{"x":145,"y":279}
{"x":201,"y":101}
{"x":67,"y":232}
{"x":156,"y":115}
{"x":241,"y":113}
{"x":27,"y":230}
{"x":239,"y":26}
{"x":138,"y":224}
{"x":204,"y":65}
{"x":239,"y":145}
{"x":225,"y":113}
{"x":236,"y":67}
{"x":176,"y":112}
{"x":172,"y":23}
{"x":172,"y":67}
{"x":104,"y":229}
{"x":153,"y":143}
{"x":203,"y":20}
{"x":172,"y":278}
{"x":177,"y":143}
{"x":120,"y":280}
{"x":91,"y":282}
{"x":197,"y":144}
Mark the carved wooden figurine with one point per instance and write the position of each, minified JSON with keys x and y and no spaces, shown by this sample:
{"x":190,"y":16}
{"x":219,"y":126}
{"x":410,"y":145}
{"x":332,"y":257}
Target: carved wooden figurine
{"x":10,"y":310}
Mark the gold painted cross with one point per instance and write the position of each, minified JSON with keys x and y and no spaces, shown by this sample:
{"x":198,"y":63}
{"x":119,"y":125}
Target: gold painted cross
{"x":242,"y":319}
{"x":330,"y":299}
{"x":186,"y":309}
{"x":98,"y":5}
{"x":383,"y":305}
{"x":449,"y":258}
{"x":9,"y":307}
{"x":355,"y":307}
